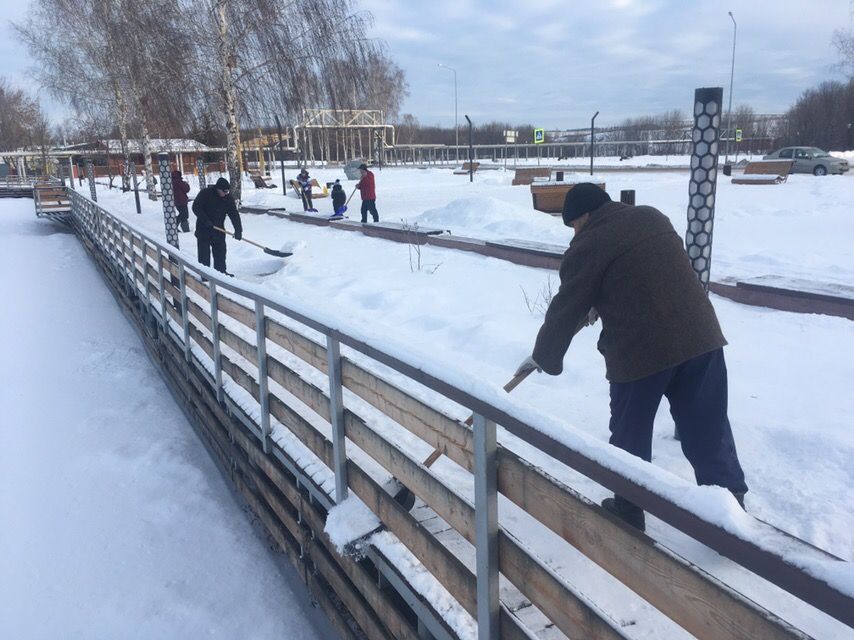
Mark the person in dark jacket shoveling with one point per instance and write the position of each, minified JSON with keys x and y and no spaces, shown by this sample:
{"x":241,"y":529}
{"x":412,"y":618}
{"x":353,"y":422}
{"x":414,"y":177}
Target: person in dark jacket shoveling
{"x":660,"y":336}
{"x":339,"y":199}
{"x":211,"y":207}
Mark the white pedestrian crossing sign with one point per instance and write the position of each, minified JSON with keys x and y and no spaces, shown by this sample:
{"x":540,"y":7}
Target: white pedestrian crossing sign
{"x":539,"y":136}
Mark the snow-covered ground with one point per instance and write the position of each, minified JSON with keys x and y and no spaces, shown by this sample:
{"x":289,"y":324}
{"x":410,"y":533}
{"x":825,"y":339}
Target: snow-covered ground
{"x":790,"y":402}
{"x":115,"y":521}
{"x":797,"y":229}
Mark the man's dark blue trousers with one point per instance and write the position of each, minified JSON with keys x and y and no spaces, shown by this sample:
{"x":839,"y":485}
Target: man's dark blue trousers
{"x":697,"y":392}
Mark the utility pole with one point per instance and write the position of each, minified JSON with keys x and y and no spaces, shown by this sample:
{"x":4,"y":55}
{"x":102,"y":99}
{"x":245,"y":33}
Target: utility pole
{"x":471,"y":149}
{"x":731,"y":73}
{"x":281,"y":156}
{"x":592,"y":141}
{"x":456,"y":125}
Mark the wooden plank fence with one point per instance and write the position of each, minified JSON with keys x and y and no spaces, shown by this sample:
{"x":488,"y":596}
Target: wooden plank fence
{"x":234,"y":351}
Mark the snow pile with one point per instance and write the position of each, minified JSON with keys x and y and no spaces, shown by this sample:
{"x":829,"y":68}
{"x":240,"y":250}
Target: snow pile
{"x":349,"y":521}
{"x":423,"y":582}
{"x":848,"y":155}
{"x":493,"y":219}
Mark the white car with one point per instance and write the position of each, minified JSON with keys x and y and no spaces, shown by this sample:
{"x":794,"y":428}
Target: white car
{"x":810,"y":160}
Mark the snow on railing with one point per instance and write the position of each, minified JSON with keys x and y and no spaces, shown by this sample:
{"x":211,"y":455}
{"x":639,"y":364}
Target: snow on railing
{"x":223,"y":317}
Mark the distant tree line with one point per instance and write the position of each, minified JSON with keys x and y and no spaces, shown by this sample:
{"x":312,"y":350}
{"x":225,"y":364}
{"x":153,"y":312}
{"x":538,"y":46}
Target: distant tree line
{"x":671,"y":125}
{"x":822,"y":117}
{"x":167,"y":68}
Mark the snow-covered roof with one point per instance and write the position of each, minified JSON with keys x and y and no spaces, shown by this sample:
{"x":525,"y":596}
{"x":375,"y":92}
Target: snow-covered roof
{"x":183,"y":145}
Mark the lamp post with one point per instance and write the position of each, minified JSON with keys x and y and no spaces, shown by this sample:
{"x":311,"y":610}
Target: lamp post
{"x":592,"y":140}
{"x":731,"y":73}
{"x":471,"y":159}
{"x":456,"y":126}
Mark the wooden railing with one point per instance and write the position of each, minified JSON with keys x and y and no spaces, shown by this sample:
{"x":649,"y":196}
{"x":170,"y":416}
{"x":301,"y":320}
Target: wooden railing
{"x":283,"y":368}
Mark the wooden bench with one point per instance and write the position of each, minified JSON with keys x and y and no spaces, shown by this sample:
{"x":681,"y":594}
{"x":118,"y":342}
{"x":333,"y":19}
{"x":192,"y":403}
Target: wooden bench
{"x":259,"y":182}
{"x":527,"y":175}
{"x":465,"y":169}
{"x":548,"y":197}
{"x":765,"y":172}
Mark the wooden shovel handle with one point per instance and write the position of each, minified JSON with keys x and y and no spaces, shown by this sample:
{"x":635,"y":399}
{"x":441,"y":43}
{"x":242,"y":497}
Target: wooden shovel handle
{"x":260,"y":246}
{"x":515,"y":381}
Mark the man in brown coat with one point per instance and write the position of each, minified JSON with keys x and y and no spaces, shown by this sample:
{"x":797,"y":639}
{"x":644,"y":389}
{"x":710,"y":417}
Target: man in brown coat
{"x":660,"y":336}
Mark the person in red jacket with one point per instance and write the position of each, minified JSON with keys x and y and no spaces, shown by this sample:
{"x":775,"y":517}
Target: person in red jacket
{"x":368,"y":190}
{"x":180,"y":189}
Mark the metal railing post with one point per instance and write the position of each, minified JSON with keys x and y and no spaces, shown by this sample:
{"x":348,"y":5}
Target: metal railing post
{"x":145,"y":269}
{"x":144,"y":300}
{"x":162,"y":288}
{"x":185,"y":320}
{"x":263,"y":397}
{"x":486,"y":527}
{"x":124,"y":258}
{"x":215,"y":339}
{"x":336,"y":406}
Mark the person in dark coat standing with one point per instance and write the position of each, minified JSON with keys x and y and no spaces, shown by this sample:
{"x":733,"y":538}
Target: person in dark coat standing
{"x":211,"y":207}
{"x":660,"y":336}
{"x":180,"y":188}
{"x":368,"y":190}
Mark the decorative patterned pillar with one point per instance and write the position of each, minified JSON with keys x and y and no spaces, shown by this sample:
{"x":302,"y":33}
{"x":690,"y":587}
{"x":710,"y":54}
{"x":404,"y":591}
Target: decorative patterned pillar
{"x":200,"y":169}
{"x":90,"y":176}
{"x":168,"y":197}
{"x":704,"y":179}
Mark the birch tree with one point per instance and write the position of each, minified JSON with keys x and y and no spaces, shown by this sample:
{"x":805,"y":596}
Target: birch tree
{"x":271,"y":57}
{"x":82,"y":69}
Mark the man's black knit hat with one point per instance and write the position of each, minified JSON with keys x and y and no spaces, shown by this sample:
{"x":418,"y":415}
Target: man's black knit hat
{"x":223,"y":185}
{"x":582,"y":198}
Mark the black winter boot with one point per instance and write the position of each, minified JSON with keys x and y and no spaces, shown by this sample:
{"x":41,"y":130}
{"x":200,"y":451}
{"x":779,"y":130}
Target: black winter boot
{"x":626,"y":511}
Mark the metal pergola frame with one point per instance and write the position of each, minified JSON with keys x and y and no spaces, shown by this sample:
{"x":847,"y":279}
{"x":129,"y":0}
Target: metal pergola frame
{"x":344,"y":120}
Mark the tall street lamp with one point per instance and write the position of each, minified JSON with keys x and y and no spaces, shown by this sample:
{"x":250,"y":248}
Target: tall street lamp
{"x":731,"y":73}
{"x":456,"y":126}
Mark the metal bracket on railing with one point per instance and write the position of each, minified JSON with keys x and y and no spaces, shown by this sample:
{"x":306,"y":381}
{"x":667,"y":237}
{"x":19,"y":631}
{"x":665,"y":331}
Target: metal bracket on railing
{"x":130,"y":270}
{"x":164,"y":322}
{"x":185,"y":320}
{"x":263,"y":397}
{"x":121,"y":260}
{"x":215,"y":339}
{"x":336,"y":407}
{"x":145,"y":300}
{"x":486,"y":526}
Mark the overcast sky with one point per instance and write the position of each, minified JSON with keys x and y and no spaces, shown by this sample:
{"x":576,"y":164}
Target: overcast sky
{"x":555,"y":62}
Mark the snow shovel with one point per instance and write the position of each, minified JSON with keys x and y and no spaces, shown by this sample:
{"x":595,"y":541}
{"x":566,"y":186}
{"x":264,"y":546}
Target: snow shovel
{"x":404,"y":496}
{"x":268,"y":250}
{"x":344,"y":208}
